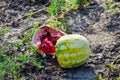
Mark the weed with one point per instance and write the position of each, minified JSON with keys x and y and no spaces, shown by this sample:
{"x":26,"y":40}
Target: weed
{"x":118,"y":78}
{"x":65,"y":26}
{"x":2,"y":73}
{"x":17,"y":44}
{"x":55,"y":7}
{"x":111,"y":66}
{"x":36,"y":25}
{"x":30,"y":15}
{"x":111,"y":7}
{"x":100,"y":77}
{"x":36,"y":63}
{"x":1,"y":53}
{"x":4,"y":31}
{"x":8,"y":67}
{"x":11,"y":65}
{"x":27,"y":37}
{"x":63,"y":6}
{"x":24,"y":58}
{"x":59,"y":8}
{"x":54,"y":23}
{"x":31,"y":32}
{"x":61,"y":24}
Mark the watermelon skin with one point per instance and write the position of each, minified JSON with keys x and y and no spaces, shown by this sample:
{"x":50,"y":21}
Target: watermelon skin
{"x":72,"y":50}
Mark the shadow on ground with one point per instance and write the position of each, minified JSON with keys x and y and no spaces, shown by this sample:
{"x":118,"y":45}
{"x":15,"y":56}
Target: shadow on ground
{"x":81,"y":73}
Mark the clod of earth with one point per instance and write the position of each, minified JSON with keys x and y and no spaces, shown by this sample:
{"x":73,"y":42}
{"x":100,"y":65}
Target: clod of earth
{"x":45,"y":39}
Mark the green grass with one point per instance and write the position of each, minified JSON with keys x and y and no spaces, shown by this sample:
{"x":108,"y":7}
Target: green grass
{"x":31,"y":32}
{"x":30,"y":15}
{"x":111,"y":7}
{"x":15,"y":55}
{"x":24,"y":58}
{"x":36,"y":62}
{"x":118,"y":78}
{"x":11,"y":64}
{"x":59,"y":7}
{"x":100,"y":77}
{"x":55,"y":7}
{"x":4,"y":31}
{"x":60,"y":25}
{"x":8,"y":67}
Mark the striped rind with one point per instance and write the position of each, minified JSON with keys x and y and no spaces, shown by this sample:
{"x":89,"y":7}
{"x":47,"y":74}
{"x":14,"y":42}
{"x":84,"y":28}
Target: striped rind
{"x":72,"y":51}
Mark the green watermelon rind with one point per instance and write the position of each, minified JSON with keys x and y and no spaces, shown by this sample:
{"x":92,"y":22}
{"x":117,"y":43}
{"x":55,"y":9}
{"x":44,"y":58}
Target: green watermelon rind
{"x":72,"y":56}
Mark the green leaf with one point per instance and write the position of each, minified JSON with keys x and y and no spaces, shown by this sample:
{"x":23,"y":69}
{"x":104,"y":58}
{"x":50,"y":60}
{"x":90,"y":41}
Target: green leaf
{"x":104,"y":6}
{"x":23,"y":58}
{"x":36,"y":25}
{"x":118,"y":78}
{"x":2,"y":73}
{"x":4,"y":31}
{"x":30,"y":15}
{"x":4,"y":64}
{"x":30,"y":33}
{"x":111,"y":66}
{"x":100,"y":77}
{"x":1,"y":53}
{"x":37,"y":63}
{"x":112,"y":5}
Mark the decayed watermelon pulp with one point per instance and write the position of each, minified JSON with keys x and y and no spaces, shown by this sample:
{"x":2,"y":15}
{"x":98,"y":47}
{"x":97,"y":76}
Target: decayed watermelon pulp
{"x":45,"y":39}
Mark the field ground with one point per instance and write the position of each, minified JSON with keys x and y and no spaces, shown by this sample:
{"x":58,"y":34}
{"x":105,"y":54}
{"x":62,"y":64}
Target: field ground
{"x":102,"y":30}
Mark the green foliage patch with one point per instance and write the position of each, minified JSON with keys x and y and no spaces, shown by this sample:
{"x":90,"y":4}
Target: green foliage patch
{"x":4,"y":31}
{"x":63,"y":6}
{"x":111,"y":7}
{"x":15,"y":55}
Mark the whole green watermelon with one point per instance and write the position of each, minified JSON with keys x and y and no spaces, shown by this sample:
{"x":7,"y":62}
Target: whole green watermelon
{"x":72,"y":50}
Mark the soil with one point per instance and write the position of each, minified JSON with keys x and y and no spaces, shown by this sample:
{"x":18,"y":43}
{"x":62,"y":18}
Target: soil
{"x":100,"y":28}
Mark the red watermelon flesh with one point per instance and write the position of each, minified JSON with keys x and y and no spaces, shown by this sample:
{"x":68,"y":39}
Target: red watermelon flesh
{"x":45,"y":39}
{"x":47,"y":47}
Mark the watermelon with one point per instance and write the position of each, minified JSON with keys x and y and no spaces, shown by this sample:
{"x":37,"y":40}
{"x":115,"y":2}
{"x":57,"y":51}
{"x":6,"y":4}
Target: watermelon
{"x":72,"y":50}
{"x":45,"y":39}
